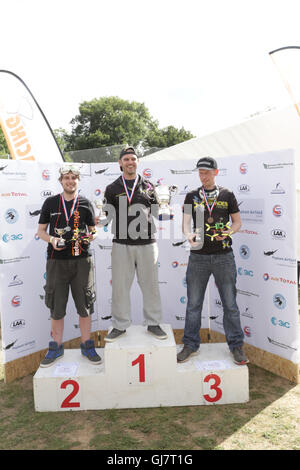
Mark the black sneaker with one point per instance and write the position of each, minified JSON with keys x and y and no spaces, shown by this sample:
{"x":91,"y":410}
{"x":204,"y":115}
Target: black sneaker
{"x":88,"y":351}
{"x":157,"y":331}
{"x":185,"y":354}
{"x":54,"y":353}
{"x":114,"y":334}
{"x":239,"y":357}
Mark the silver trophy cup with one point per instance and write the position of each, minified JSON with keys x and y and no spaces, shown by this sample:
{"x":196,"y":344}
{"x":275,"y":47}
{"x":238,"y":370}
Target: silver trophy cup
{"x":100,"y":203}
{"x":163,"y":194}
{"x":60,"y":232}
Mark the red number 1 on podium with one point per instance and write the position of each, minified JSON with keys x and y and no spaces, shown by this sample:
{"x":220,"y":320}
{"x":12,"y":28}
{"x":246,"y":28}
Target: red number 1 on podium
{"x":140,"y":360}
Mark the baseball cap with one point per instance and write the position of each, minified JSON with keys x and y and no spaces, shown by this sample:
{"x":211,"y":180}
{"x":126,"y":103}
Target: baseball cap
{"x":70,"y":167}
{"x":127,"y":151}
{"x":207,"y":163}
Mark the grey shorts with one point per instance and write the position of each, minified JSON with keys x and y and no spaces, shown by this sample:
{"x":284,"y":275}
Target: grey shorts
{"x":63,"y":274}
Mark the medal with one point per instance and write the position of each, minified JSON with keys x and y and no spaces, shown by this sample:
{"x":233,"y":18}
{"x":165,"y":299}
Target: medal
{"x":133,"y":188}
{"x":210,"y":208}
{"x":68,"y":217}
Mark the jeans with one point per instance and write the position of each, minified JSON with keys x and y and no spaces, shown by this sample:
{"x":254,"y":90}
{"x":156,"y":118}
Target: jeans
{"x":199,"y":269}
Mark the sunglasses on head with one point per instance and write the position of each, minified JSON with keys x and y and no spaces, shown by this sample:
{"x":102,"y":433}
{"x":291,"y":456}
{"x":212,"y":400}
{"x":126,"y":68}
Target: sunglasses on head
{"x":65,"y":169}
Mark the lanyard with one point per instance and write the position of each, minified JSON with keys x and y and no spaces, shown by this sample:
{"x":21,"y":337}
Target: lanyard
{"x":209,"y":208}
{"x":133,"y":188}
{"x":68,"y":217}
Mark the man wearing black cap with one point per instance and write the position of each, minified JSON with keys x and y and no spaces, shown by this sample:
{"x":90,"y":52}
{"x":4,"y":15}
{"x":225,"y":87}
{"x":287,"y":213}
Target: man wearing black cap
{"x":221,"y":220}
{"x":134,"y":247}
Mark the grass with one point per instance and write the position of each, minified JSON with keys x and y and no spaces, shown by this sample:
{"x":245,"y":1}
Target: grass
{"x":269,"y":421}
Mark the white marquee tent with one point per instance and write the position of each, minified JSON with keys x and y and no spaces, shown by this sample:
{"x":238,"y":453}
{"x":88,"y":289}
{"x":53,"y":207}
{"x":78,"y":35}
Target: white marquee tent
{"x":274,"y":130}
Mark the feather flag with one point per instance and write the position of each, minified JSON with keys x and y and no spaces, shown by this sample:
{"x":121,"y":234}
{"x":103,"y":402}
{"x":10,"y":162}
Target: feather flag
{"x":24,"y":125}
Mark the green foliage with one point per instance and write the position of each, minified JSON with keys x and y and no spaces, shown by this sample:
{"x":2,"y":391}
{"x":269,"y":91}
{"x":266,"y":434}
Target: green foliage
{"x":3,"y":145}
{"x":109,"y":121}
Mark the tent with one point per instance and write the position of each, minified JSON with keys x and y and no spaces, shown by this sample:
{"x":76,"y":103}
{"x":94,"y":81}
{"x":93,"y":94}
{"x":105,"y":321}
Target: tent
{"x":273,"y":130}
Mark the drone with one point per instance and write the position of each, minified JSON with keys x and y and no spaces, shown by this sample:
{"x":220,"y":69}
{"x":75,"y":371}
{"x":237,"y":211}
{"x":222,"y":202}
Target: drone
{"x":219,"y":227}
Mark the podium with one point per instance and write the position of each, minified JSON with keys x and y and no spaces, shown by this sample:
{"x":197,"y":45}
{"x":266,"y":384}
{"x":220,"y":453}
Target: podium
{"x":141,"y":371}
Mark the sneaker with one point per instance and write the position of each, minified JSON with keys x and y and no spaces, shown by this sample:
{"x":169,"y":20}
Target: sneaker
{"x":88,"y":351}
{"x":157,"y":331}
{"x":185,"y":354}
{"x":114,"y":334}
{"x":54,"y":353}
{"x":239,"y":357}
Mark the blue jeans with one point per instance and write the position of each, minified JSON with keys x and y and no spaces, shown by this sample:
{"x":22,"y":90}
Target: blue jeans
{"x":199,"y":269}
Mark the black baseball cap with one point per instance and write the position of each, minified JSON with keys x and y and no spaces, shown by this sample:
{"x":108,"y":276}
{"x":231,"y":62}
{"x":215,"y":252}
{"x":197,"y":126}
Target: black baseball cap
{"x":127,"y":151}
{"x":207,"y":163}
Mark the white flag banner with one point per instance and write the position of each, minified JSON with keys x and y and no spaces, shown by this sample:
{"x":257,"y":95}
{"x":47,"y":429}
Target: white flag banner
{"x":25,"y":128}
{"x":265,"y":251}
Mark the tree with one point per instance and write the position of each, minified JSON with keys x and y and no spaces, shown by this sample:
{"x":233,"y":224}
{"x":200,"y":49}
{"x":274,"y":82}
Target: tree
{"x":109,"y":121}
{"x":167,"y":137}
{"x":3,"y":145}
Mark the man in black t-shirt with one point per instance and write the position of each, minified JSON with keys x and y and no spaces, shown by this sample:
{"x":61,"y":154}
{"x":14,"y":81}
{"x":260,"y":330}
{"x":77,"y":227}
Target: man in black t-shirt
{"x":70,"y":218}
{"x":220,"y":220}
{"x":130,"y":205}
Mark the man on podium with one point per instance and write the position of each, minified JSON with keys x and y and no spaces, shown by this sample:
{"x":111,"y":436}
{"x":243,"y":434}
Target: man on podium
{"x":213,"y":256}
{"x":69,"y":262}
{"x":134,"y":247}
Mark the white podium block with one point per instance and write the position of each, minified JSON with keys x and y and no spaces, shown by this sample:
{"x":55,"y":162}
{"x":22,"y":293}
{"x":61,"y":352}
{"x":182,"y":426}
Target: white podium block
{"x":141,"y":371}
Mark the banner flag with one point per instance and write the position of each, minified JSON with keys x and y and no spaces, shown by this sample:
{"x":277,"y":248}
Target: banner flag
{"x":24,"y":125}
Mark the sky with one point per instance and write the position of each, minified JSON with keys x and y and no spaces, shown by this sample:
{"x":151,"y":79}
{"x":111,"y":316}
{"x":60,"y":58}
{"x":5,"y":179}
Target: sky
{"x":199,"y":64}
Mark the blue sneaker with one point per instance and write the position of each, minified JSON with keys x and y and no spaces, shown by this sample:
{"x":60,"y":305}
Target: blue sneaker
{"x":54,"y":353}
{"x":88,"y":351}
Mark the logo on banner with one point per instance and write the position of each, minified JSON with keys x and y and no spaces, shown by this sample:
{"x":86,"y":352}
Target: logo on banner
{"x":278,"y":234}
{"x":147,"y":173}
{"x":244,"y":251}
{"x":11,"y":216}
{"x":47,"y":193}
{"x":244,"y":188}
{"x":279,"y":301}
{"x":16,"y":301}
{"x":97,"y":192}
{"x":16,"y":324}
{"x":266,"y":276}
{"x":6,"y":237}
{"x":278,"y":189}
{"x":46,"y":175}
{"x":15,"y":281}
{"x":276,"y":322}
{"x":277,"y":210}
{"x":243,"y":168}
{"x":247,"y":331}
{"x":245,"y":272}
{"x":175,"y":264}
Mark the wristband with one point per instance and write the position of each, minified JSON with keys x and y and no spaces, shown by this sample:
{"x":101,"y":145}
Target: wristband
{"x":51,"y":239}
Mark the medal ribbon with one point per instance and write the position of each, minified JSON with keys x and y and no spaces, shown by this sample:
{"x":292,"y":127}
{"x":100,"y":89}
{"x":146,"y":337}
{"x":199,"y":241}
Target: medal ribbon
{"x":68,"y":217}
{"x":209,"y":208}
{"x":133,"y":188}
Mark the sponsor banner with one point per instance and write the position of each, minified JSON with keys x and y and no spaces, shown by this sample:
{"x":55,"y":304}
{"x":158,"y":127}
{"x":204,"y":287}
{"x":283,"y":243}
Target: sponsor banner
{"x":25,"y":128}
{"x":264,"y":249}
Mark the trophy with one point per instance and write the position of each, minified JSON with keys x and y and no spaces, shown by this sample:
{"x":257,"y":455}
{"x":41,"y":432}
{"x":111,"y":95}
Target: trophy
{"x":163,"y":194}
{"x":61,"y":242}
{"x":102,"y":218}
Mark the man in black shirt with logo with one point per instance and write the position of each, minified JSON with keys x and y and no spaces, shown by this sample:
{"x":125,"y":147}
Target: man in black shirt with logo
{"x":69,"y":264}
{"x":214,"y":256}
{"x":132,"y":203}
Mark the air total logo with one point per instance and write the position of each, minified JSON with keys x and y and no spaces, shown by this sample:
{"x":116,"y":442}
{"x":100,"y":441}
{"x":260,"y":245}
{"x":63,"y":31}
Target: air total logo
{"x":14,"y":237}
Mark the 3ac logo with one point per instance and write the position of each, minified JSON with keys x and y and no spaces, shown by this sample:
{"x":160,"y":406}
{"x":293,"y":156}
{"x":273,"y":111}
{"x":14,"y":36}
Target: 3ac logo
{"x":14,"y":237}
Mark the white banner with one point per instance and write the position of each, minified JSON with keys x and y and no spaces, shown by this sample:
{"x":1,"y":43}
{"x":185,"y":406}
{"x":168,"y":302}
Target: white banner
{"x":25,"y":128}
{"x":265,"y":251}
